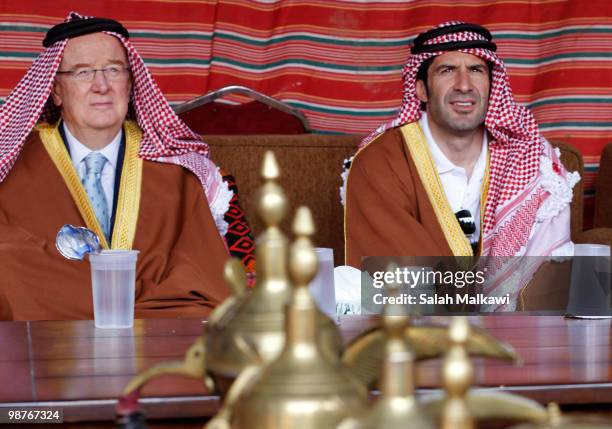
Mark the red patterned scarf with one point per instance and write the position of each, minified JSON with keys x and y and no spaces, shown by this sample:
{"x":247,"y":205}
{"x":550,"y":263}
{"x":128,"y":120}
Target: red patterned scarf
{"x":527,"y":207}
{"x":515,"y":153}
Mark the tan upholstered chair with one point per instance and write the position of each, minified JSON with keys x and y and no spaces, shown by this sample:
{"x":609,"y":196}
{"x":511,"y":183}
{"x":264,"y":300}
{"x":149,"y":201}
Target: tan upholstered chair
{"x":602,"y":225}
{"x":603,"y":196}
{"x":310,"y":167}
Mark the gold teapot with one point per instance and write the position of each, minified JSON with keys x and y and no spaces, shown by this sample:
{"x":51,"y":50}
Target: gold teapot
{"x":459,"y":407}
{"x":305,"y":386}
{"x":364,"y":354}
{"x":248,"y":327}
{"x":253,"y":330}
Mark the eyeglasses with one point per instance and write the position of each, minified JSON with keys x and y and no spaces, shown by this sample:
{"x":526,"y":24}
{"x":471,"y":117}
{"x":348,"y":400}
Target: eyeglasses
{"x":111,"y":73}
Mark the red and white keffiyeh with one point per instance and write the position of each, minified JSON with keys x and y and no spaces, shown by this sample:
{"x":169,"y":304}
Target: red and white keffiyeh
{"x":165,"y":138}
{"x":526,"y":211}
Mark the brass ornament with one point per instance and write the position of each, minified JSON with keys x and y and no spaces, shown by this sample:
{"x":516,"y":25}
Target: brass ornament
{"x":257,"y":321}
{"x":396,"y":407}
{"x":491,"y":405}
{"x":364,"y":353}
{"x":457,"y":376}
{"x":247,"y":378}
{"x":304,"y":387}
{"x":193,"y":365}
{"x":235,"y":277}
{"x":248,"y":327}
{"x":459,"y":408}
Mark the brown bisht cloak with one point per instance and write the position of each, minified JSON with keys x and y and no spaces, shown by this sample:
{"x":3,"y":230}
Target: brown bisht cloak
{"x":388,"y":211}
{"x":180,"y":266}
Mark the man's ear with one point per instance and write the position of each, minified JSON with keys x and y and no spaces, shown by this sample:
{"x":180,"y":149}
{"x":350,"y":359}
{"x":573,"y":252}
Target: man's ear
{"x":55,"y":94}
{"x":421,"y":91}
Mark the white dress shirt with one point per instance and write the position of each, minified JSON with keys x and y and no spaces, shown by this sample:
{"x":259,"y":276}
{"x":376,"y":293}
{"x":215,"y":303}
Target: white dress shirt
{"x":78,"y":152}
{"x":461,"y":193}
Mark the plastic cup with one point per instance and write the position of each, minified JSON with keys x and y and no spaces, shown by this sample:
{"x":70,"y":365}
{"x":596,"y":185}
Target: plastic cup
{"x":590,"y":282}
{"x":322,"y":286}
{"x":592,"y":250}
{"x":113,"y":279}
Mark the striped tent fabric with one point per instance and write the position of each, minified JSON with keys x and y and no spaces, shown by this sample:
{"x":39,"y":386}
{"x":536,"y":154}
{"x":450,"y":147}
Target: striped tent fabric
{"x":340,"y":61}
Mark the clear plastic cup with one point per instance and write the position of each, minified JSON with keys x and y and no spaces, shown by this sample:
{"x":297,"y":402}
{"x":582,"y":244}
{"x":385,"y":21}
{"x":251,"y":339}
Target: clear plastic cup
{"x":322,"y":286}
{"x":113,"y":279}
{"x":589,"y":295}
{"x":588,"y":249}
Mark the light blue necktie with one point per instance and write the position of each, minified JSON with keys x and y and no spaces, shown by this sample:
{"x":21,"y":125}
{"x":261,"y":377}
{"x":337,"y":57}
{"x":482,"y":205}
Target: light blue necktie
{"x":94,"y":162}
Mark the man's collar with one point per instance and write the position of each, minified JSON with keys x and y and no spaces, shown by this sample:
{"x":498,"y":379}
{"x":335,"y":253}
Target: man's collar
{"x":443,"y":164}
{"x":78,"y":151}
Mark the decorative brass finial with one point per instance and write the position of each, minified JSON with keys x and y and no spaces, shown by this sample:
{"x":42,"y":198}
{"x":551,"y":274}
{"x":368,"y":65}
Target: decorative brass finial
{"x":235,"y":277}
{"x":269,"y":166}
{"x":554,"y":414}
{"x":461,"y":407}
{"x":271,"y":202}
{"x":397,"y":378}
{"x":303,"y":260}
{"x":304,"y":387}
{"x":397,"y":406}
{"x":259,"y":319}
{"x":304,"y":229}
{"x":457,"y":376}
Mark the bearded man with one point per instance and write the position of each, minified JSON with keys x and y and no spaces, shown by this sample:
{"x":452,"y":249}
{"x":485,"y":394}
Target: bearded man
{"x":87,"y":138}
{"x":462,"y":170}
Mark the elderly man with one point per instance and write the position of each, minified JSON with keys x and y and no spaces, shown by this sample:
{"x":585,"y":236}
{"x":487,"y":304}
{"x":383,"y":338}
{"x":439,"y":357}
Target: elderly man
{"x":87,"y":138}
{"x":463,"y":169}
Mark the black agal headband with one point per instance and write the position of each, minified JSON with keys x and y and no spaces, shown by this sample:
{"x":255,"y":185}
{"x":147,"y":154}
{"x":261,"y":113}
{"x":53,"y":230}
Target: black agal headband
{"x":419,"y":46}
{"x":80,"y":27}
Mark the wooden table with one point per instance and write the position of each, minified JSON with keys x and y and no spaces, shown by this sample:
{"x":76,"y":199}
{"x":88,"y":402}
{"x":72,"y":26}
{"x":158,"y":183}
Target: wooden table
{"x":81,"y":369}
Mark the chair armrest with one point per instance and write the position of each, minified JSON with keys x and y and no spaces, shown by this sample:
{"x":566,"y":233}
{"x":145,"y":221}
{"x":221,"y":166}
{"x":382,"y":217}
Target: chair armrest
{"x":595,"y":236}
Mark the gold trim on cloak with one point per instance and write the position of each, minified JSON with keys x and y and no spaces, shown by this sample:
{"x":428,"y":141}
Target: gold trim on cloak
{"x":414,"y":139}
{"x":128,"y":200}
